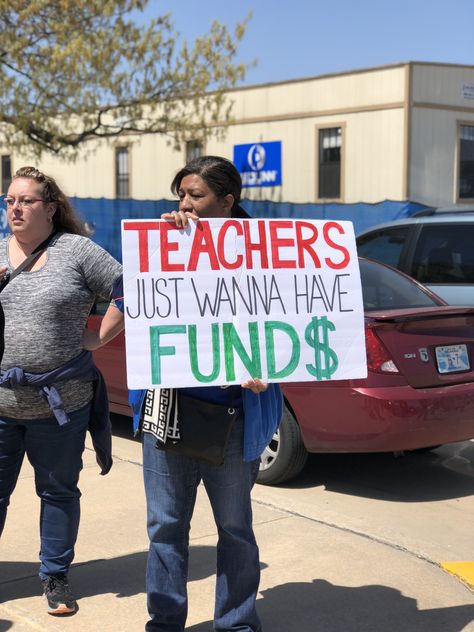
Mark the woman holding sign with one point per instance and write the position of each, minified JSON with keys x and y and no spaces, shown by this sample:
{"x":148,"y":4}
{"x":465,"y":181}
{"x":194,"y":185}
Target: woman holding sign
{"x":208,"y":187}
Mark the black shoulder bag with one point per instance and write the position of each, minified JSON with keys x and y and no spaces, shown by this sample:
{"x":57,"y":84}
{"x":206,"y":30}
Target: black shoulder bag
{"x":188,"y":426}
{"x":204,"y":428}
{"x":9,"y":277}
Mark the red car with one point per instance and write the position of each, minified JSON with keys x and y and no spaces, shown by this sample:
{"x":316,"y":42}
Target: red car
{"x":419,"y":392}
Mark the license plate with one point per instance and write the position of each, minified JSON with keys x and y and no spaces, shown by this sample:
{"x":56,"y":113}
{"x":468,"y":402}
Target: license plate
{"x":452,"y":358}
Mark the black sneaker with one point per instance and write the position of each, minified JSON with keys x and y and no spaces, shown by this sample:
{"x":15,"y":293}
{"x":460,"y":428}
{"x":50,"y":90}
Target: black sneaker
{"x":58,"y":594}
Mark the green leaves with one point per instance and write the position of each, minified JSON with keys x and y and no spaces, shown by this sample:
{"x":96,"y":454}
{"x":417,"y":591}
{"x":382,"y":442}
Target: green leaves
{"x":75,"y":70}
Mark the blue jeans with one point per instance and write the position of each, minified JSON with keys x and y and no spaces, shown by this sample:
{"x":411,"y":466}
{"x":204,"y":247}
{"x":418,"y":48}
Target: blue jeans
{"x":171,"y":483}
{"x":55,"y":452}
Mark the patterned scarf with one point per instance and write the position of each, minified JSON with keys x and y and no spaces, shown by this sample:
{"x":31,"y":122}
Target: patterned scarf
{"x":160,"y":414}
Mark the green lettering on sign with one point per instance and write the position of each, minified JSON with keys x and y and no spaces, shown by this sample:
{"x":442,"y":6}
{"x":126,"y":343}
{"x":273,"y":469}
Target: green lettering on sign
{"x":157,"y":351}
{"x":233,"y":343}
{"x":270,"y":327}
{"x":325,"y":358}
{"x":193,"y":352}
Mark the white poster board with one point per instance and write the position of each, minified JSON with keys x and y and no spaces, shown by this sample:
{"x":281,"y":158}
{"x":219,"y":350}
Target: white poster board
{"x":225,"y":300}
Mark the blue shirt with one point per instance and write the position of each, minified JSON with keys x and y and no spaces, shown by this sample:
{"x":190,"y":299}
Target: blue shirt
{"x":225,"y":395}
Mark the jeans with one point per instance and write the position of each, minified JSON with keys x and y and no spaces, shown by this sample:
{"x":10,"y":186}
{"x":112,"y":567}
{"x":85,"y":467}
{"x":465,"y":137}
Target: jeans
{"x":55,"y":452}
{"x":171,"y":483}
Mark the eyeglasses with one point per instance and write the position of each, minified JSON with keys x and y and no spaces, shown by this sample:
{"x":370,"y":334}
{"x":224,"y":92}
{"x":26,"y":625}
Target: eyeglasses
{"x":26,"y":202}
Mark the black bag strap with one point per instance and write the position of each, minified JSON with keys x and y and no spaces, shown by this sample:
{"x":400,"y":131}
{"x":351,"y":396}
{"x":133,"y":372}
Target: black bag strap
{"x":29,"y":260}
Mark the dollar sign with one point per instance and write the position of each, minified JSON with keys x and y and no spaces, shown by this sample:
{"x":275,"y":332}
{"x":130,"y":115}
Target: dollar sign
{"x":325,"y":358}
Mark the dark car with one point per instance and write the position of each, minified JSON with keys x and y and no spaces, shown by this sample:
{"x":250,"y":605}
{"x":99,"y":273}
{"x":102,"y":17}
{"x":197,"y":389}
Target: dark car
{"x":419,"y":392}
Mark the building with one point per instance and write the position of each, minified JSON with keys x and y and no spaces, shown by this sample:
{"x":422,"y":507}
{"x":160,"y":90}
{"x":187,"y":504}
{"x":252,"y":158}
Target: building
{"x":349,"y":142}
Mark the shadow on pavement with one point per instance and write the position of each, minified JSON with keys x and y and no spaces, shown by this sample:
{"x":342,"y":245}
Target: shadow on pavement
{"x":447,"y":472}
{"x":123,"y":576}
{"x":324,"y":607}
{"x":318,"y":606}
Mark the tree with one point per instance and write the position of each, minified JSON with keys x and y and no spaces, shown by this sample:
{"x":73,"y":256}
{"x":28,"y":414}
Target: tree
{"x":75,"y":70}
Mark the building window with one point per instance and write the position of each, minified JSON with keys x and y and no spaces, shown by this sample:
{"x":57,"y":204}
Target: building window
{"x":6,"y":173}
{"x":329,"y":167}
{"x":122,"y":173}
{"x":194,"y":150}
{"x":466,"y":162}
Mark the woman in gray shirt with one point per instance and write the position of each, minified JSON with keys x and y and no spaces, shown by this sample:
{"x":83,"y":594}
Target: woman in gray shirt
{"x":45,"y":311}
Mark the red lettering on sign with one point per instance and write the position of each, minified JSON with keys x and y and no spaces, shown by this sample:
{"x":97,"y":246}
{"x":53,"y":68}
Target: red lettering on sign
{"x":229,"y":265}
{"x":277,"y":242}
{"x":260,"y":246}
{"x":203,"y":243}
{"x":304,"y":244}
{"x":167,"y":246}
{"x":327,"y":227}
{"x":142,"y":228}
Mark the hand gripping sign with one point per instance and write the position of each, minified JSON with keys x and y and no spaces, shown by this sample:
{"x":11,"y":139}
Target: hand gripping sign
{"x":225,"y":300}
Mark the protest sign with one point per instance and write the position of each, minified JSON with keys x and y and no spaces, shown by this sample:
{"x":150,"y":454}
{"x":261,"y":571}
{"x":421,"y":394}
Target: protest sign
{"x":224,"y":300}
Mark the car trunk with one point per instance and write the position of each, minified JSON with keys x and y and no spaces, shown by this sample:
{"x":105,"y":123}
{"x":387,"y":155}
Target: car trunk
{"x":430,"y":348}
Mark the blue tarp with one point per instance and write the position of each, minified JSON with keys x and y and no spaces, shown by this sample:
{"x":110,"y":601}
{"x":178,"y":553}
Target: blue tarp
{"x":104,"y":215}
{"x":362,"y":215}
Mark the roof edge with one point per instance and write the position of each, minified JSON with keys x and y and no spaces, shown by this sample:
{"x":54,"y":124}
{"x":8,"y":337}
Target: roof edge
{"x":349,"y":72}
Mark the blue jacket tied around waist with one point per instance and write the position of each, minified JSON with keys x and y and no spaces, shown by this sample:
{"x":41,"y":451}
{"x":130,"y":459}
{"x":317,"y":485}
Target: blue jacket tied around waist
{"x":81,"y":367}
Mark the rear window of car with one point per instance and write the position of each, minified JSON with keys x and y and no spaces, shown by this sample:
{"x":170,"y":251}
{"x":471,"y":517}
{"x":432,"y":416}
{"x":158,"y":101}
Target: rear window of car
{"x":384,"y":245}
{"x":445,"y":254}
{"x":383,"y":288}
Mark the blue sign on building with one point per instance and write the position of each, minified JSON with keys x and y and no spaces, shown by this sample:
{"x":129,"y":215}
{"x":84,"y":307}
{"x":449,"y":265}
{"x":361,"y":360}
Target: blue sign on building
{"x":259,"y":164}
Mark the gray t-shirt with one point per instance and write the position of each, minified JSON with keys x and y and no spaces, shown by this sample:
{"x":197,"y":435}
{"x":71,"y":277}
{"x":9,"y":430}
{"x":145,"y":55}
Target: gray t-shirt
{"x":45,"y":315}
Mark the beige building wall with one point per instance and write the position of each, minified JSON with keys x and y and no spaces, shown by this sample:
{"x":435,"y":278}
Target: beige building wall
{"x":152,"y":165}
{"x":372,"y":161}
{"x":399,"y":124}
{"x":443,"y":84}
{"x":443,"y":97}
{"x":433,"y":174}
{"x":87,"y":177}
{"x":367,"y":104}
{"x":365,"y":89}
{"x":374,"y":156}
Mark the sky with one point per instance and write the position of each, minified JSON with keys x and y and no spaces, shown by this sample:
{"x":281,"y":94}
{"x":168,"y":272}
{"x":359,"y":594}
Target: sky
{"x":291,"y":39}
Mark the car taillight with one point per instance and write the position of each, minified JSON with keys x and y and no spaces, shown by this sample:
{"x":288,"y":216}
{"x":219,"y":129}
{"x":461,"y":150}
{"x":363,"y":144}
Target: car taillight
{"x":378,"y":358}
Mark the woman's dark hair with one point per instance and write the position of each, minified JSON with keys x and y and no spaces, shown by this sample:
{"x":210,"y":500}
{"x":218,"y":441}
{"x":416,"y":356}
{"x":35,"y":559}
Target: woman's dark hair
{"x":220,"y":175}
{"x":65,"y":218}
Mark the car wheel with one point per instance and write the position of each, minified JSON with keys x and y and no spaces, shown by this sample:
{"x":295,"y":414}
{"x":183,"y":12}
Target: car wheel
{"x":285,"y":455}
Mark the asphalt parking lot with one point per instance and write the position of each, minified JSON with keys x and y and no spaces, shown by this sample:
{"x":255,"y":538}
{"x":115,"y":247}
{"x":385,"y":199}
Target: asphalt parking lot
{"x":357,"y":543}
